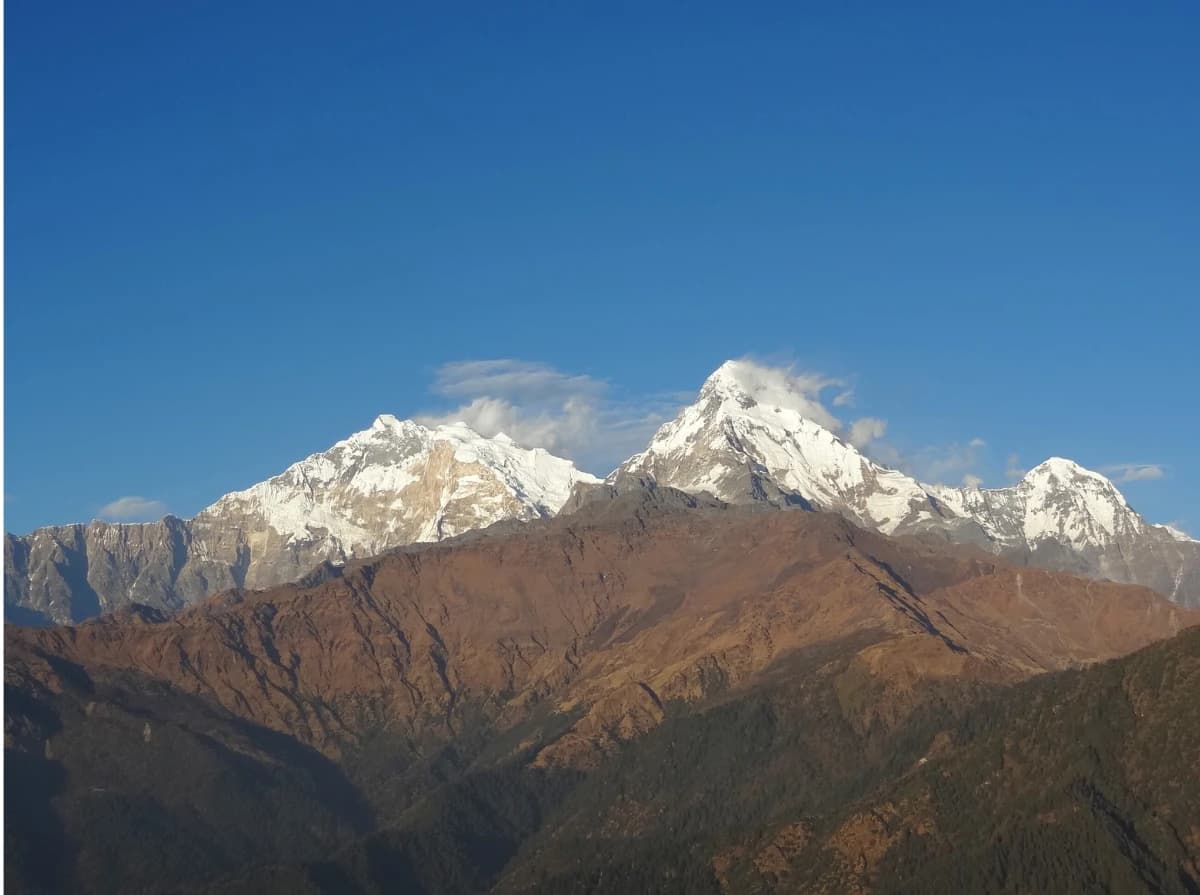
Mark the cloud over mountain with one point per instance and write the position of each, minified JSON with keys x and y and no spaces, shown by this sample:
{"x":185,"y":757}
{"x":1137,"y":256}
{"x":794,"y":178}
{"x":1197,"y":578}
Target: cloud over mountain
{"x":132,"y":509}
{"x":537,"y":405}
{"x":1135,"y":472}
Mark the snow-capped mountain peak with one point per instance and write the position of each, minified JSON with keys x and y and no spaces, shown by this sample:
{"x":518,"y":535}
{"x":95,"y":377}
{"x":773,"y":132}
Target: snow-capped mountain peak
{"x":396,"y":482}
{"x":736,"y":381}
{"x":1061,"y":469}
{"x":755,"y":434}
{"x":1071,"y":504}
{"x":399,"y":482}
{"x":752,"y":434}
{"x":758,"y":434}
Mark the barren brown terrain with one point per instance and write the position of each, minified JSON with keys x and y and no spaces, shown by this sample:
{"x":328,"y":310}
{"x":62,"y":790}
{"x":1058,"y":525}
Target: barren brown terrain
{"x":611,"y":617}
{"x":547,"y":649}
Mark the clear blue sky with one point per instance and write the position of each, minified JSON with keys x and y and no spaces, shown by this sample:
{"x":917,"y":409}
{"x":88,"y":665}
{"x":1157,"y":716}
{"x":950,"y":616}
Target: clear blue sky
{"x":237,"y":232}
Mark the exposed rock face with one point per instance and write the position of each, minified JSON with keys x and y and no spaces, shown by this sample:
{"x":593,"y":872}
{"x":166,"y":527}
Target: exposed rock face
{"x":77,"y":571}
{"x":393,"y":484}
{"x":746,"y":441}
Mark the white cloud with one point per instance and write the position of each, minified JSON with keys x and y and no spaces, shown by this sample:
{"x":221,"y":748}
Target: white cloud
{"x":946,"y":462}
{"x":1178,"y":528}
{"x":1013,"y":470}
{"x":1135,"y":472}
{"x":788,"y":387}
{"x":559,"y":429}
{"x":971,"y":481}
{"x":132,"y":509}
{"x":887,"y":454}
{"x":804,"y":390}
{"x":515,"y":379}
{"x":536,"y":405}
{"x":844,"y":399}
{"x":863,"y":431}
{"x":577,"y":416}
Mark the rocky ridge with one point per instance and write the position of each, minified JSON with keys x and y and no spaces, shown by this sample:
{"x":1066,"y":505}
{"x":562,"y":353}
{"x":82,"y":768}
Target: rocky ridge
{"x":746,"y":440}
{"x":682,"y":602}
{"x":395,"y":483}
{"x":416,"y":716}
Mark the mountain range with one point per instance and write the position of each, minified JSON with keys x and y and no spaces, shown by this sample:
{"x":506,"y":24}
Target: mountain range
{"x":395,"y":483}
{"x":747,"y":439}
{"x":750,"y":660}
{"x":651,"y":692}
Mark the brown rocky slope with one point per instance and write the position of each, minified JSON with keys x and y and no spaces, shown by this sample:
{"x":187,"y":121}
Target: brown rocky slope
{"x":548,"y":646}
{"x":573,"y":611}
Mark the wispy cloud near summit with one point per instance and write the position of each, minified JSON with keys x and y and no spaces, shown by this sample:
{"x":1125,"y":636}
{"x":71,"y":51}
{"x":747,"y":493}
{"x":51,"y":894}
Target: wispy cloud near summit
{"x":535,"y":404}
{"x":578,"y":416}
{"x":516,"y":379}
{"x":1135,"y":472}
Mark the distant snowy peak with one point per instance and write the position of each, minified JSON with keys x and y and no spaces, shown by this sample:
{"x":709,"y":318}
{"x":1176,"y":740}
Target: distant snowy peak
{"x":1057,"y":500}
{"x":1062,"y":515}
{"x":755,"y":434}
{"x":1075,"y":505}
{"x":750,"y":436}
{"x":400,"y":482}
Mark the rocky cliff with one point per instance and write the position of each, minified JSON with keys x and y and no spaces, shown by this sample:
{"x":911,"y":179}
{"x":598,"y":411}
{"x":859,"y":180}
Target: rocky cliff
{"x":392,"y":484}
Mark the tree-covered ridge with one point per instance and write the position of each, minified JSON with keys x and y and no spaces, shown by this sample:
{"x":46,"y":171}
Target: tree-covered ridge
{"x":1080,"y":781}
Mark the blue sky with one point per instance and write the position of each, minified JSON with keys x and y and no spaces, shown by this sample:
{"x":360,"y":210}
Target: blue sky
{"x":236,"y":233}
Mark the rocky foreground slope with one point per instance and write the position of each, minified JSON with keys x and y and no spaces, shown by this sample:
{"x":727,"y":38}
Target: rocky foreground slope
{"x":421,"y":715}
